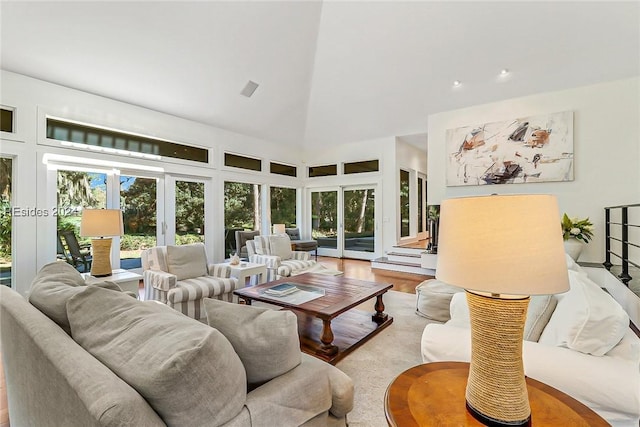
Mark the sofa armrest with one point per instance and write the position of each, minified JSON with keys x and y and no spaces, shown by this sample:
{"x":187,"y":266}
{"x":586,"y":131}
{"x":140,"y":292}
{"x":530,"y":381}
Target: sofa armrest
{"x":608,"y":385}
{"x":342,"y":390}
{"x":311,"y":388}
{"x":219,"y":270}
{"x":300,"y":255}
{"x":159,"y":279}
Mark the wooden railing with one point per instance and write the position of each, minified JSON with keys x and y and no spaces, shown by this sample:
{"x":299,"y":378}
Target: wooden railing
{"x":622,"y":239}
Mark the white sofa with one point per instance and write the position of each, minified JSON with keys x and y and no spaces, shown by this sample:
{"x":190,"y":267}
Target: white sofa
{"x":586,"y":348}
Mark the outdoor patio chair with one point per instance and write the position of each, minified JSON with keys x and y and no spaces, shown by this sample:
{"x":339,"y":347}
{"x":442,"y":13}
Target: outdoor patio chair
{"x":241,"y":241}
{"x":79,"y":255}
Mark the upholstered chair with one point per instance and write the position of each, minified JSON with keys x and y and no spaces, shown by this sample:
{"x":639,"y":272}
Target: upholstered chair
{"x":241,"y":241}
{"x":275,"y":252}
{"x":181,"y":277}
{"x":300,"y":244}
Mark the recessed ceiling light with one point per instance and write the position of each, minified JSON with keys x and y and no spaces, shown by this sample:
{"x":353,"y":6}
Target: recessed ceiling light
{"x":456,"y":83}
{"x":504,"y":72}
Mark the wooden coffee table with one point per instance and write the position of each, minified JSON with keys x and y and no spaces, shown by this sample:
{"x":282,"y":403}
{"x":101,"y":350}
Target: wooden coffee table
{"x":329,"y":326}
{"x":433,"y":394}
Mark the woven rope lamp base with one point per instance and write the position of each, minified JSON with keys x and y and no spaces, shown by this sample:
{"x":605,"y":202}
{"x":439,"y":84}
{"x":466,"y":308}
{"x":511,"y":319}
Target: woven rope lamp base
{"x":101,"y":254}
{"x":496,"y":390}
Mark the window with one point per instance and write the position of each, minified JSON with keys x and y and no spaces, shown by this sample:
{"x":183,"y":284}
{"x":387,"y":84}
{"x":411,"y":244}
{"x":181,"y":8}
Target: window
{"x":113,"y":140}
{"x":326,"y":170}
{"x":189,"y":212}
{"x":6,"y":186}
{"x":241,"y":211}
{"x":420,"y":206}
{"x":6,"y":120}
{"x":361,"y":167}
{"x":281,"y":169}
{"x":283,"y":206}
{"x":242,"y":162}
{"x":404,"y":203}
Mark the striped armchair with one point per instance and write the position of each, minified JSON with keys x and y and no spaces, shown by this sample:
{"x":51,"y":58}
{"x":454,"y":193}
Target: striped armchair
{"x":275,"y":252}
{"x":180,"y":277}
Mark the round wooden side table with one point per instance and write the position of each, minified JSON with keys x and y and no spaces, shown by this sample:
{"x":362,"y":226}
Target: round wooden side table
{"x":433,"y":394}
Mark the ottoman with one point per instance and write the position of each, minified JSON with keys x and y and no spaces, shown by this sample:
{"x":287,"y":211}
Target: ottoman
{"x":433,"y":298}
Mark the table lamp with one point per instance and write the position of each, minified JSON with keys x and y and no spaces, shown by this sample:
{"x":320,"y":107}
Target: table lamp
{"x":278,"y":229}
{"x":501,"y":250}
{"x":102,"y":224}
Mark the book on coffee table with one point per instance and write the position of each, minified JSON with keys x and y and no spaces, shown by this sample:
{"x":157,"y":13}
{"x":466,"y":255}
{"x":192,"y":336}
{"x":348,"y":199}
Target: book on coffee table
{"x":281,"y":290}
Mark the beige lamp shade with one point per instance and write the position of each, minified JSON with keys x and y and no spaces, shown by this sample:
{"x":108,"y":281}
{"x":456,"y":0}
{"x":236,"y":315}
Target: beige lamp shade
{"x":507,"y":244}
{"x":101,"y":223}
{"x":278,"y":229}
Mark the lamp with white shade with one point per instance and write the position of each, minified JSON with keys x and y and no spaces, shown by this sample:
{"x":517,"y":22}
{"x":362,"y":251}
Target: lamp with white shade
{"x":501,"y":250}
{"x":101,"y":224}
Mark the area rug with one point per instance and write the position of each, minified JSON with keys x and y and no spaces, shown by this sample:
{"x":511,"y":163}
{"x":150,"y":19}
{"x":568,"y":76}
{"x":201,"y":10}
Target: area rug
{"x":375,"y":364}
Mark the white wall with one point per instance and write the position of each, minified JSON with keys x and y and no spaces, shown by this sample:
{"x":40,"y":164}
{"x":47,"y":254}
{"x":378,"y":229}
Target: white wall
{"x":606,"y":150}
{"x":34,"y":238}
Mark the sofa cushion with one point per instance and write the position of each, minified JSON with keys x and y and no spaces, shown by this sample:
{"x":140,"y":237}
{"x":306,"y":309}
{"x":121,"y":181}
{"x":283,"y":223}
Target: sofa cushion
{"x":587,"y":319}
{"x":280,"y":245}
{"x":155,"y":259}
{"x":266,"y":340}
{"x":187,"y":371}
{"x":187,"y":261}
{"x":433,"y":298}
{"x":262,"y":245}
{"x":52,"y":287}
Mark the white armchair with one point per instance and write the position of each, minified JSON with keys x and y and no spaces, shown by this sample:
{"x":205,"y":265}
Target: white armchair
{"x":181,"y":277}
{"x":275,"y":252}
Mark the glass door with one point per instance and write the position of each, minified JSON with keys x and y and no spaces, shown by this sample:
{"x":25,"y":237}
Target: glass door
{"x":77,"y":190}
{"x":189,"y":212}
{"x":343,"y":221}
{"x":139,"y":204}
{"x":359,"y":219}
{"x":324,"y":222}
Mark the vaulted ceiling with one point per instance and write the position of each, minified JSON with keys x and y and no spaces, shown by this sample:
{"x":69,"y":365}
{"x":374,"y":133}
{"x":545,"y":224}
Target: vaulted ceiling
{"x":329,"y":72}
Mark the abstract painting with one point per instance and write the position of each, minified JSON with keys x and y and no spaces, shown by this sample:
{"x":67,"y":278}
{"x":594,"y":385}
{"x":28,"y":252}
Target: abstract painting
{"x":522,"y":150}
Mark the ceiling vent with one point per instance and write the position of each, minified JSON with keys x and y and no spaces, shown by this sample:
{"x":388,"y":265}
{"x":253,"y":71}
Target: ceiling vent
{"x":249,"y":89}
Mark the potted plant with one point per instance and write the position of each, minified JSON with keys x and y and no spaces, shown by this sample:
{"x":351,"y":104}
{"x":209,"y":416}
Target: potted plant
{"x":576,"y":232}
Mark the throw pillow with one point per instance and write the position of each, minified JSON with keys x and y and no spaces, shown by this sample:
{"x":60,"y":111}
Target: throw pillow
{"x":52,"y":287}
{"x":262,"y":245}
{"x":156,"y":258}
{"x":586,"y":319}
{"x":187,"y":371}
{"x":280,"y":246}
{"x":187,"y":261}
{"x":266,"y":340}
{"x":433,"y":298}
{"x":540,"y":309}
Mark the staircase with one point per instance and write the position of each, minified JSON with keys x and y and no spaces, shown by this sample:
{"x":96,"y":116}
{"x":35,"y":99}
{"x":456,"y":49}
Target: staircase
{"x":407,"y":260}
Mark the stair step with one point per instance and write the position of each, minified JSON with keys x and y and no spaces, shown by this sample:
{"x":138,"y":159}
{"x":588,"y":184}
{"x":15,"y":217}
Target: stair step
{"x":384,"y":263}
{"x":405,"y":254}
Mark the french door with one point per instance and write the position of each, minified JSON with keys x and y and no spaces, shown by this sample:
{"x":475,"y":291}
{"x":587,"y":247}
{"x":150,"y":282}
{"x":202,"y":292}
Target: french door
{"x":343,"y":221}
{"x":158,"y":209}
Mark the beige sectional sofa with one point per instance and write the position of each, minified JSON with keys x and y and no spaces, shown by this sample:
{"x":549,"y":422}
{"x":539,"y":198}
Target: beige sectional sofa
{"x":78,"y":355}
